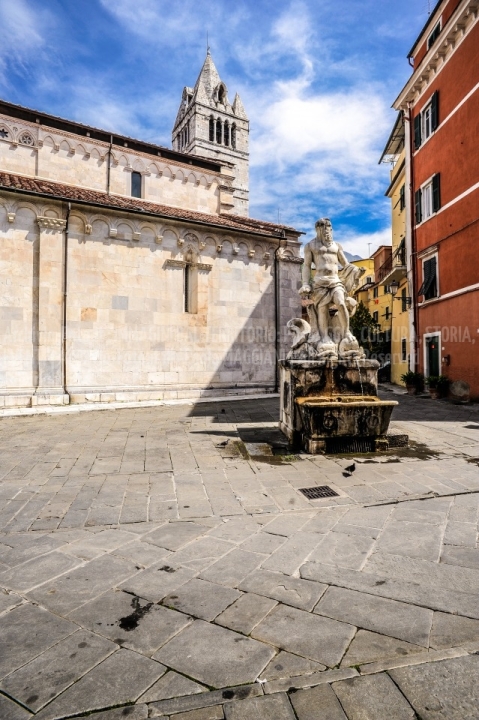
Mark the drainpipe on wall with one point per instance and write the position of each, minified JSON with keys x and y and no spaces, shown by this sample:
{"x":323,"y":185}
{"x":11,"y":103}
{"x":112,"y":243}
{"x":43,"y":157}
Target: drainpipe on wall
{"x":277,"y":312}
{"x":64,"y":318}
{"x":413,"y":242}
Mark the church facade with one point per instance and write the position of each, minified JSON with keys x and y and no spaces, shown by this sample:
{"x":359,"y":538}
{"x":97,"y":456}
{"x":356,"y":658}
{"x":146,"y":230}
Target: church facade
{"x":131,"y":271}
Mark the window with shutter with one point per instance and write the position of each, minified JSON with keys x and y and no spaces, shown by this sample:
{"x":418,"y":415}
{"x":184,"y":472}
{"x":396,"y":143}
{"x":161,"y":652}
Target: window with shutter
{"x":403,"y":350}
{"x":402,"y":197}
{"x":418,"y":206}
{"x":417,"y":131}
{"x":429,"y":285}
{"x":435,"y":110}
{"x":375,"y":316}
{"x":436,"y":193}
{"x":434,"y":35}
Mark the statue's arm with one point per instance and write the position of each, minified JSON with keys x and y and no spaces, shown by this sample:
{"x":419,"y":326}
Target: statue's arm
{"x":306,"y":269}
{"x":342,"y":257}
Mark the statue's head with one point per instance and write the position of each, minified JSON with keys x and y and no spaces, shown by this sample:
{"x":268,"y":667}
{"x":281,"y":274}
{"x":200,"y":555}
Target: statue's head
{"x":324,"y":230}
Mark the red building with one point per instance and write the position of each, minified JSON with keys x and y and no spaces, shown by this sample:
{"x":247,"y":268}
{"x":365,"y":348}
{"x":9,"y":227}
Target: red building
{"x":441,"y":107}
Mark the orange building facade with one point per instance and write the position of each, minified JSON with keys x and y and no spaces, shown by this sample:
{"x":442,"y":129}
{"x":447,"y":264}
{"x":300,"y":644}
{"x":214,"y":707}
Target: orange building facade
{"x":440,"y":103}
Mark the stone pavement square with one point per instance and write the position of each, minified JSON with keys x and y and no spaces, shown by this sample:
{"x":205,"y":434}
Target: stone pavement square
{"x":215,"y":656}
{"x":132,"y":588}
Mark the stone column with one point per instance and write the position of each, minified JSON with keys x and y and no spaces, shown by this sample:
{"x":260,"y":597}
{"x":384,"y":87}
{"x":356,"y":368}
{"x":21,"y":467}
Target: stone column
{"x":50,"y":390}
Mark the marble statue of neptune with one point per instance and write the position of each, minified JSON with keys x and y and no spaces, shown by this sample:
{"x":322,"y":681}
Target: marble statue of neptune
{"x":328,"y":279}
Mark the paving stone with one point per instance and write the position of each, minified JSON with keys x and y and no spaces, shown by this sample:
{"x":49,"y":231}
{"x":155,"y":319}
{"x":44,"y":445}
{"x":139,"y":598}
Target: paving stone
{"x":83,"y":584}
{"x":129,"y":712}
{"x":421,"y":511}
{"x":9,"y":710}
{"x":141,"y":553}
{"x":215,"y":656}
{"x":291,"y":591}
{"x":37,"y":571}
{"x":461,"y":533}
{"x":287,"y":525}
{"x":366,"y":698}
{"x":130,"y":621}
{"x":245,"y":613}
{"x":373,"y":517}
{"x":174,"y":536}
{"x":236,"y":530}
{"x":424,"y":573}
{"x":369,"y":647}
{"x":203,"y":548}
{"x":387,"y":617}
{"x":118,"y":680}
{"x":444,"y":690}
{"x":171,"y":685}
{"x":202,"y":700}
{"x":201,"y":599}
{"x":311,"y":680}
{"x":324,"y":521}
{"x":16,"y":550}
{"x":8,"y":600}
{"x":157,"y":581}
{"x":263,"y":542}
{"x":232,"y":568}
{"x":465,"y":557}
{"x":318,"y":703}
{"x":293,"y":553}
{"x":344,"y":550}
{"x":27,"y":631}
{"x":381,"y":585}
{"x":311,"y":636}
{"x":212,"y":713}
{"x":49,"y":674}
{"x":416,"y":540}
{"x":361,"y":530}
{"x":274,"y":707}
{"x":286,"y":665}
{"x":452,"y":630}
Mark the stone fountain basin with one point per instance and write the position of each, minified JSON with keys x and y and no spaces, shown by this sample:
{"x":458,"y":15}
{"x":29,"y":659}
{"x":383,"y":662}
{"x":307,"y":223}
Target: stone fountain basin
{"x":344,"y":415}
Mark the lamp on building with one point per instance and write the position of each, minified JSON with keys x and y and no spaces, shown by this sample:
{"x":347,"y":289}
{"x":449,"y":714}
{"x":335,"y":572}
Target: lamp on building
{"x":393,"y":288}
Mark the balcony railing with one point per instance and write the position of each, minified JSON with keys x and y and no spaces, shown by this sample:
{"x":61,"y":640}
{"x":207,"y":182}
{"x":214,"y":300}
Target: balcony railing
{"x":398,"y":260}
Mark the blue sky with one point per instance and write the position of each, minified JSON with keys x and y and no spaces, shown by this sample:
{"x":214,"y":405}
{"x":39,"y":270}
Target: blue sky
{"x":317,"y":78}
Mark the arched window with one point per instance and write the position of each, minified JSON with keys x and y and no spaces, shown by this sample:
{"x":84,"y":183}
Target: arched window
{"x":226,"y":133}
{"x":219,"y":132}
{"x":221,"y":95}
{"x":212,"y":129}
{"x":136,"y":184}
{"x":233,"y":136}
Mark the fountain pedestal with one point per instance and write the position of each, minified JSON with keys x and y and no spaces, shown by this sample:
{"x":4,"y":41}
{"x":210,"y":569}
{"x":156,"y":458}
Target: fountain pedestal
{"x":323,"y":401}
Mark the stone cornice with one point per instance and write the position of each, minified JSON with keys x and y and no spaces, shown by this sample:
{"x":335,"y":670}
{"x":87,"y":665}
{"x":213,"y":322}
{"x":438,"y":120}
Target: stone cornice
{"x":456,"y":28}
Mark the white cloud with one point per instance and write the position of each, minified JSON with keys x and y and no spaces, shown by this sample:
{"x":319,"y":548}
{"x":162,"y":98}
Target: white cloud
{"x":363,"y":244}
{"x":21,"y":34}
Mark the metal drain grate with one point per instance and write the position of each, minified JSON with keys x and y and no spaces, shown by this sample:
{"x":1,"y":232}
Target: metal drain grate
{"x":350,"y":445}
{"x":323,"y":491}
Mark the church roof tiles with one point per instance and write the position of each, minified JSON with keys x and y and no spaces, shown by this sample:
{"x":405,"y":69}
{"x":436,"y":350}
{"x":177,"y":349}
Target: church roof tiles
{"x":85,"y":196}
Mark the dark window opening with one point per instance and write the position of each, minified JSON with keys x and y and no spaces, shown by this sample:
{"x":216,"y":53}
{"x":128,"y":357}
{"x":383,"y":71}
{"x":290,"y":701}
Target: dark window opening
{"x":376,"y":316}
{"x":429,"y":286}
{"x":402,"y":198}
{"x":212,"y":129}
{"x":233,"y":136}
{"x":403,"y":300}
{"x":388,"y":313}
{"x":375,"y":292}
{"x":403,"y":350}
{"x":221,"y":95}
{"x":226,"y":133}
{"x":219,"y":132}
{"x":3,"y":133}
{"x":186,"y":289}
{"x":434,"y":35}
{"x":136,"y":184}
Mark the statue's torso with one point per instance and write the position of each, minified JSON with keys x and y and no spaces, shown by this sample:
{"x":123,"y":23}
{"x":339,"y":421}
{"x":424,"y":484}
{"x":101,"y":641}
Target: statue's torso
{"x":325,"y":258}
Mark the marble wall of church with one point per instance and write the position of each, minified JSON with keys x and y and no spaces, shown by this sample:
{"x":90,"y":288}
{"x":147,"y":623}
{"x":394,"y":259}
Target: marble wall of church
{"x":38,"y":151}
{"x":128,"y":336}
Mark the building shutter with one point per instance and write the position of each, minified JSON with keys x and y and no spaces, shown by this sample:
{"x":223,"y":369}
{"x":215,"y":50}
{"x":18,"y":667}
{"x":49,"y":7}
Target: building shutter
{"x":417,"y":205}
{"x":435,"y":110}
{"x":429,"y":270}
{"x":417,"y":131}
{"x":436,"y":193}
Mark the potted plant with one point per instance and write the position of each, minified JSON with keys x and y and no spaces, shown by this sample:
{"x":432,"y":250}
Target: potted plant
{"x":413,"y":382}
{"x":438,"y":385}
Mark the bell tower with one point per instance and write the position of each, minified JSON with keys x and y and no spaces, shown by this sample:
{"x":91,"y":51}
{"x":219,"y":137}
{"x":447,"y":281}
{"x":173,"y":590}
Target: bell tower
{"x":207,"y":124}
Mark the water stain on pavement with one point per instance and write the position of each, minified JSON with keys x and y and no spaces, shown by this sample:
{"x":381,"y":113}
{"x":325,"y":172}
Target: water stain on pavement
{"x":130,"y":622}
